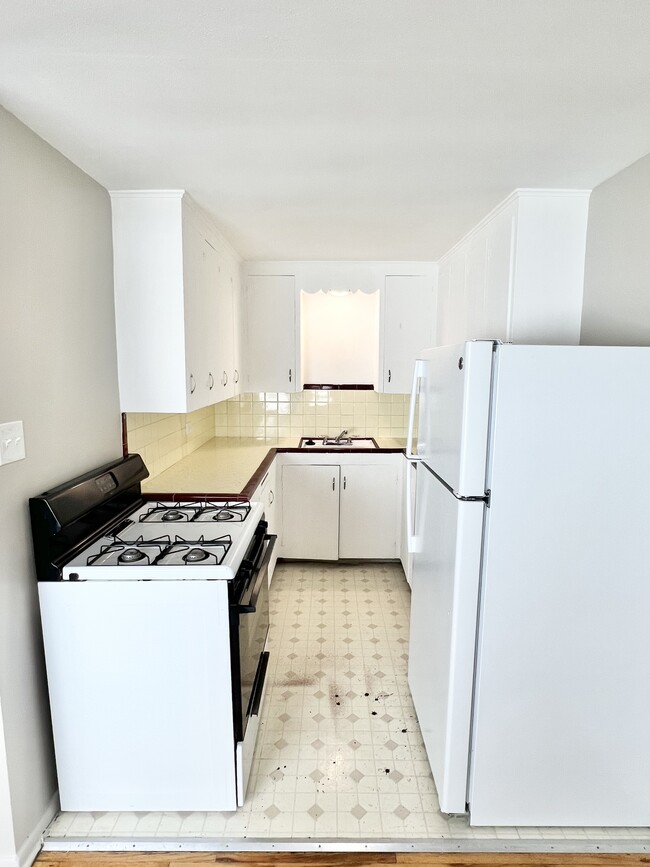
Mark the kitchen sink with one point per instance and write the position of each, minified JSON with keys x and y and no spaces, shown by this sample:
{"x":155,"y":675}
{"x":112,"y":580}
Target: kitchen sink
{"x":331,"y":443}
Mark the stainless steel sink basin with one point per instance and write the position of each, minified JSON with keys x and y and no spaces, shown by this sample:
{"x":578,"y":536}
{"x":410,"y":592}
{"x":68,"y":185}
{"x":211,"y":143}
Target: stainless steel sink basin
{"x":345,"y":443}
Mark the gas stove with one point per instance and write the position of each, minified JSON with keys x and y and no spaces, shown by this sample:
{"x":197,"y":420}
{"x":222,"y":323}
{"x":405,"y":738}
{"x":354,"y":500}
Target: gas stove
{"x":209,"y":541}
{"x":155,"y":618}
{"x":99,"y":527}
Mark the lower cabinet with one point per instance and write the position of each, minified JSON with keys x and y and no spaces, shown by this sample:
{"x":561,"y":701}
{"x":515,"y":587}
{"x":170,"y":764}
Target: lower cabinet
{"x":310,"y":512}
{"x":341,"y":510}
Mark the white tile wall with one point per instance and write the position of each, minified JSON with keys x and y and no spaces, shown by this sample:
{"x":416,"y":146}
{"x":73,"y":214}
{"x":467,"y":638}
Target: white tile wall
{"x":162,"y":440}
{"x":312,"y":412}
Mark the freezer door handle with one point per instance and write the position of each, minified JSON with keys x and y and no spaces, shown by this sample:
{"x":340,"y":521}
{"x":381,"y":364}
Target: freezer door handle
{"x":418,"y":373}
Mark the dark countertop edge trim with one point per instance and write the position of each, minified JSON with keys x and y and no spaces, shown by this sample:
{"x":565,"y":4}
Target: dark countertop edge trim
{"x":249,"y":488}
{"x":329,"y":386}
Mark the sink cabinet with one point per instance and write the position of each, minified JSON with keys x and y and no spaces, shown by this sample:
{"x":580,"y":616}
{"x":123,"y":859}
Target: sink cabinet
{"x":340,"y":506}
{"x":310,"y":512}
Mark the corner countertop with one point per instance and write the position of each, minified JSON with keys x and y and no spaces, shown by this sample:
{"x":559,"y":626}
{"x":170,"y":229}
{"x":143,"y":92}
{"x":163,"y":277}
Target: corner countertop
{"x":226,"y":467}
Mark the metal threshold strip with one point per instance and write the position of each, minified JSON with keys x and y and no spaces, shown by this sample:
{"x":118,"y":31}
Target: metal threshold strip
{"x":438,"y":844}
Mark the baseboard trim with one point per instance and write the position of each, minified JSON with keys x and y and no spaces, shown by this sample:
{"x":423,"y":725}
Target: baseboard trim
{"x":34,"y":842}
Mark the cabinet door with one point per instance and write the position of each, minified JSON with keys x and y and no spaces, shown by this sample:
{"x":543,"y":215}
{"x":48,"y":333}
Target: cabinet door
{"x":271,"y":334}
{"x":408,"y":328}
{"x":223,"y":343}
{"x":310,"y":512}
{"x":499,"y":276}
{"x":198,"y":297}
{"x":369,"y":511}
{"x":237,"y":320}
{"x":475,"y":280}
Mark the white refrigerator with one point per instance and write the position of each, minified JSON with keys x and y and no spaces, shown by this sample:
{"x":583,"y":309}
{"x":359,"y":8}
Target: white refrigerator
{"x":529,"y":660}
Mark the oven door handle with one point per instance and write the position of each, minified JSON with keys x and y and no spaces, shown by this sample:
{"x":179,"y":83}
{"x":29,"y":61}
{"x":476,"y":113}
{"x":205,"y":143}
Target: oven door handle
{"x":249,"y":606}
{"x":258,"y":686}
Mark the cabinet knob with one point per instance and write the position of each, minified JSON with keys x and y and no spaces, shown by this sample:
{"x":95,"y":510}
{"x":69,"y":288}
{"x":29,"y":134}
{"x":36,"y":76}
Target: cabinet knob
{"x":224,"y":379}
{"x":289,"y":374}
{"x":345,"y":482}
{"x":334,"y":483}
{"x":211,"y":380}
{"x":390,"y":374}
{"x":192,"y":384}
{"x":236,"y":377}
{"x":271,"y":497}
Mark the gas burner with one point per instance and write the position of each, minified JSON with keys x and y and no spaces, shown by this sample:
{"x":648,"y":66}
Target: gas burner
{"x":196,"y":555}
{"x":173,"y":515}
{"x":224,"y":515}
{"x":131,"y":555}
{"x":224,"y":512}
{"x":121,"y":553}
{"x":195,"y":552}
{"x":169,"y":514}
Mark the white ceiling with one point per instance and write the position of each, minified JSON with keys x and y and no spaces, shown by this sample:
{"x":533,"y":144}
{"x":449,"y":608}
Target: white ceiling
{"x":335,"y":129}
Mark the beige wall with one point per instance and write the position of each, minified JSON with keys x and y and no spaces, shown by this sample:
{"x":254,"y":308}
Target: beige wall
{"x":616,"y":302}
{"x":57,"y":354}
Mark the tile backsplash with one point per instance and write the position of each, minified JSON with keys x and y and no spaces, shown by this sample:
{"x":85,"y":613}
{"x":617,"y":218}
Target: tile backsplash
{"x":312,"y":412}
{"x":163,"y":440}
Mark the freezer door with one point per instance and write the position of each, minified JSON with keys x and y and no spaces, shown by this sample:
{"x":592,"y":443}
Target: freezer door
{"x":443,"y":631}
{"x":454,"y":413}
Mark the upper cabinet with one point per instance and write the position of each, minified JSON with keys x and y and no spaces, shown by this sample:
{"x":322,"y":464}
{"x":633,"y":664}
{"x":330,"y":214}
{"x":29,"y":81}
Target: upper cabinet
{"x":408,"y":327}
{"x":272,"y":338}
{"x":518,"y":276}
{"x":336,"y":323}
{"x":176,"y":285}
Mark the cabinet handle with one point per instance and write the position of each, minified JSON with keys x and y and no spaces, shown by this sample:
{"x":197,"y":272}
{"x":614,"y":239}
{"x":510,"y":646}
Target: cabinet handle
{"x":236,"y":377}
{"x":390,"y":374}
{"x":345,"y":482}
{"x":289,"y":374}
{"x":192,"y":384}
{"x":334,"y":483}
{"x":224,"y":378}
{"x":271,"y":497}
{"x":211,"y":381}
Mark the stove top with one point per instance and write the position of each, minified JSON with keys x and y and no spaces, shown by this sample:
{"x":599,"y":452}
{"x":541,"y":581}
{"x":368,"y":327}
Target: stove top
{"x":209,"y":542}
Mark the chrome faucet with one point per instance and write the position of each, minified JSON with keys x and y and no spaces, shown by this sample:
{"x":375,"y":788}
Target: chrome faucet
{"x":337,"y":439}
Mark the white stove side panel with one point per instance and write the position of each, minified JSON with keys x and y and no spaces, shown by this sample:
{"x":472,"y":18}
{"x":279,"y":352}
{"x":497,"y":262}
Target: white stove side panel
{"x":140,"y":692}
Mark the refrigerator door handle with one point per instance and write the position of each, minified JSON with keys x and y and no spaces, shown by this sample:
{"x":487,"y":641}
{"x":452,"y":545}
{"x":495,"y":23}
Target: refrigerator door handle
{"x":418,"y":373}
{"x":412,"y":540}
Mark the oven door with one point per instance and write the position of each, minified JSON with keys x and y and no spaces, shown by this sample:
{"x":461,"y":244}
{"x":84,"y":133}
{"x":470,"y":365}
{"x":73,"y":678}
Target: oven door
{"x":250,"y":625}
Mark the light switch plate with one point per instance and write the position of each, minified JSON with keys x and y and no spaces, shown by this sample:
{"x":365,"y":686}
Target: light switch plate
{"x":12,"y":442}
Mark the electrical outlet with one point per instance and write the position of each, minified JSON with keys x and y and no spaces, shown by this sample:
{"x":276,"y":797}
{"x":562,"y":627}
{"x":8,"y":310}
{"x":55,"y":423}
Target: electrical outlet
{"x":12,"y":442}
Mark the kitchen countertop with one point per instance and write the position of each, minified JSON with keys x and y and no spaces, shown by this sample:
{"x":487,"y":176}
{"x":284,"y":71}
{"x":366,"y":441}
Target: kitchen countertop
{"x":230,"y":467}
